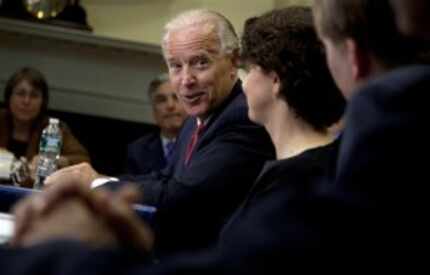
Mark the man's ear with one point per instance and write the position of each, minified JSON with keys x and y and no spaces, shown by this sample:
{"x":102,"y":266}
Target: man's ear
{"x":235,"y":59}
{"x":358,"y":58}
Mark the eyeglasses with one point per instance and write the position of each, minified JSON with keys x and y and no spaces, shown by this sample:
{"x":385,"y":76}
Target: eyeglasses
{"x":32,"y":94}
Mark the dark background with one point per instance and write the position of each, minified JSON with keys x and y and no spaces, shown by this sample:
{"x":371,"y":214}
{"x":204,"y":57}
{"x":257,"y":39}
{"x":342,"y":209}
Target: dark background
{"x":105,"y":139}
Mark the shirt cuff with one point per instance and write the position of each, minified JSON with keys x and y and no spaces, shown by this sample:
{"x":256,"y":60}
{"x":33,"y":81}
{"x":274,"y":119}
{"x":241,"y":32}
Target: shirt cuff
{"x":100,"y":181}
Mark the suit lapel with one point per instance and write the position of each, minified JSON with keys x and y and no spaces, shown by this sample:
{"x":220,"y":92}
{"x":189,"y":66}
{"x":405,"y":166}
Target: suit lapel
{"x":216,"y":120}
{"x":212,"y":127}
{"x":154,"y":148}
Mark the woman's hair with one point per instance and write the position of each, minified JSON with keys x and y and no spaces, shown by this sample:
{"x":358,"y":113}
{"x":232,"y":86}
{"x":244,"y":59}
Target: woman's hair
{"x":284,"y":41}
{"x":36,"y":79}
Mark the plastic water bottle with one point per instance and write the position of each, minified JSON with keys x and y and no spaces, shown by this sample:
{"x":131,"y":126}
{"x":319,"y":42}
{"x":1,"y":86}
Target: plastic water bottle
{"x":49,"y":152}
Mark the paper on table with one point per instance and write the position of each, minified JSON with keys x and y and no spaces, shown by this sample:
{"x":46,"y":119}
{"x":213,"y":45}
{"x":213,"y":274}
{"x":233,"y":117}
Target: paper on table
{"x":6,"y":227}
{"x":6,"y":159}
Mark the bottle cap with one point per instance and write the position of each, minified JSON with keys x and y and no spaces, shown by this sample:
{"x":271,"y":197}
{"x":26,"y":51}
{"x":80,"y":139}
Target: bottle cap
{"x":53,"y":120}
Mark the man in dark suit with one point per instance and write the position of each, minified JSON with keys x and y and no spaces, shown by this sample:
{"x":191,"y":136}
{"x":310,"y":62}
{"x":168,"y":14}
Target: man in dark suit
{"x":147,"y":154}
{"x":383,"y":139}
{"x":219,"y":151}
{"x":153,"y":151}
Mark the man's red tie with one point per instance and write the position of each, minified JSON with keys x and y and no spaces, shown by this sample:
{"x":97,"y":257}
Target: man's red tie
{"x":194,"y":138}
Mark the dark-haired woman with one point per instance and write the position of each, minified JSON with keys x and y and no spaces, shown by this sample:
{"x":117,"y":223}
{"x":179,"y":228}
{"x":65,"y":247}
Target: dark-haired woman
{"x":21,"y":123}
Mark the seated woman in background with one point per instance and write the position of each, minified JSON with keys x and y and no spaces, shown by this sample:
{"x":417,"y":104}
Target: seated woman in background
{"x":25,"y":116}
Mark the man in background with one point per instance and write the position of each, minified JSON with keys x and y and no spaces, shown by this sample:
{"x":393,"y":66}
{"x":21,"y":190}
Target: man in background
{"x":154,"y":151}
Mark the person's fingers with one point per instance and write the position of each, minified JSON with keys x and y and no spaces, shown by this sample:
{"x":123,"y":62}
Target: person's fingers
{"x":33,"y":207}
{"x":25,"y":212}
{"x":59,"y":177}
{"x":100,"y":201}
{"x":63,"y":162}
{"x":57,"y":192}
{"x":82,"y":172}
{"x":63,"y":175}
{"x":81,"y":224}
{"x":129,"y":227}
{"x":117,"y":211}
{"x":129,"y":194}
{"x":102,"y":197}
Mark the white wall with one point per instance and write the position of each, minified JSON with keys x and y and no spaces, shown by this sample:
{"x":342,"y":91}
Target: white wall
{"x":143,"y":20}
{"x":86,"y":74}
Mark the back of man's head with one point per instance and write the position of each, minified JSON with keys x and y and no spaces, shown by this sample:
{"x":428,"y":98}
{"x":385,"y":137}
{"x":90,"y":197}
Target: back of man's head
{"x":229,"y":42}
{"x":370,"y":24}
{"x":413,"y":18}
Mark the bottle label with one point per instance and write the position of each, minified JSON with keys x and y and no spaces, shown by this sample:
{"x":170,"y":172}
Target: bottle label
{"x":52,"y":144}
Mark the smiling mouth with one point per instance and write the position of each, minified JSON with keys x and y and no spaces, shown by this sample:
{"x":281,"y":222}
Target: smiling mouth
{"x":173,"y":116}
{"x":192,"y":98}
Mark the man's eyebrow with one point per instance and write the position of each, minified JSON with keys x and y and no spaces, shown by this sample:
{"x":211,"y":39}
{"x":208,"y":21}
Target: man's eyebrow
{"x":171,"y":59}
{"x":200,"y":57}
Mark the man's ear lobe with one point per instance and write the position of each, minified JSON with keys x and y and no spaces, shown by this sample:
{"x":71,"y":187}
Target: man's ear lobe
{"x":358,"y":58}
{"x":235,"y":55}
{"x":235,"y":60}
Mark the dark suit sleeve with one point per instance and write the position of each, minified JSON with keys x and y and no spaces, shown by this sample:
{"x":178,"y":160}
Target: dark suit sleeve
{"x":138,"y":162}
{"x":145,"y":155}
{"x":131,"y":167}
{"x":235,"y":152}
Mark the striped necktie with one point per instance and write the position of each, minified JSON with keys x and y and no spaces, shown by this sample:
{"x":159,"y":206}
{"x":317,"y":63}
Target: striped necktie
{"x":169,"y":150}
{"x":194,"y":138}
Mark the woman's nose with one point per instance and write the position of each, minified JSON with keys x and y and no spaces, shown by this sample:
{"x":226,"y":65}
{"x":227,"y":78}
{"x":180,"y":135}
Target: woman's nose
{"x":170,"y":102}
{"x":26,"y":99}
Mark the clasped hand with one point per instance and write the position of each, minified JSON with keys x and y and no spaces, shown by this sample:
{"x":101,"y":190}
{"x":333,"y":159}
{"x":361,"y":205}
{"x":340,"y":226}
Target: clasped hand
{"x":73,"y":211}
